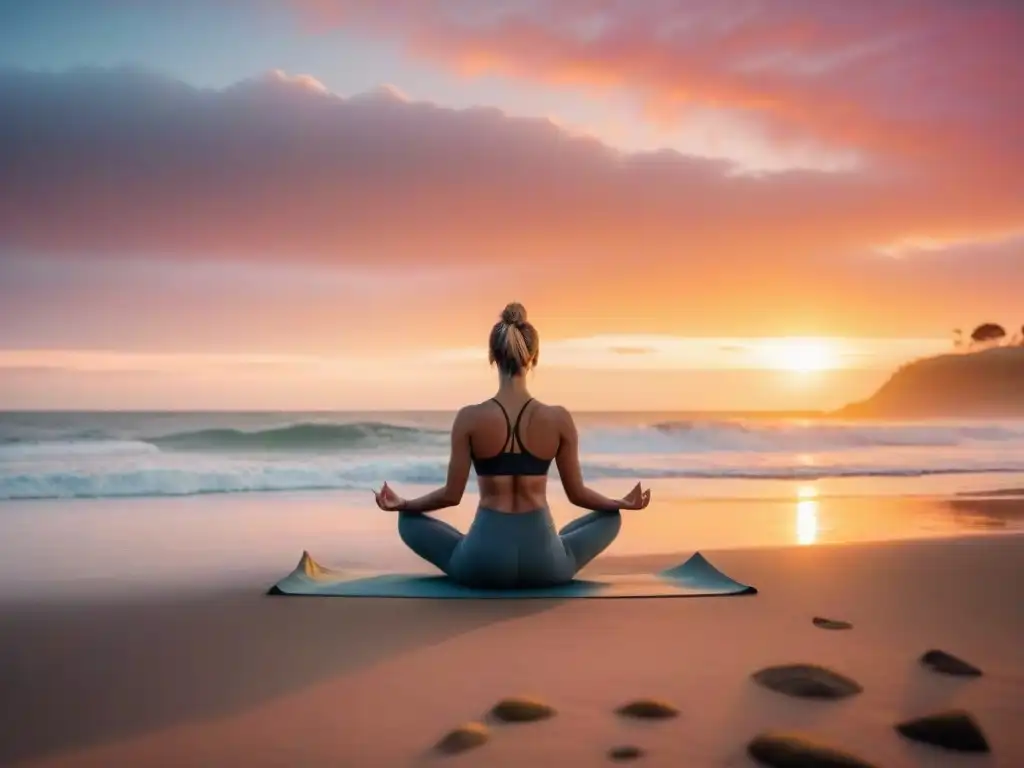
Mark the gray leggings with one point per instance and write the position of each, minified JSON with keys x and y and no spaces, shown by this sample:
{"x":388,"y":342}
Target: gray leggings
{"x":510,"y":550}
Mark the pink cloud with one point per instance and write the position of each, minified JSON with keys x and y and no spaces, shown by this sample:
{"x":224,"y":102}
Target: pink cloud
{"x":926,"y":82}
{"x":122,"y":165}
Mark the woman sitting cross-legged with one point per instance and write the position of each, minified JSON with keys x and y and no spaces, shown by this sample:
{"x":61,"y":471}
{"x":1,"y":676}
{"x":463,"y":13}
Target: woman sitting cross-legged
{"x":511,"y":440}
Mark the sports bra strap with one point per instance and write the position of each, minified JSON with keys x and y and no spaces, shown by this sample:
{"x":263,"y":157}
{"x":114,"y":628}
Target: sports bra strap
{"x":519,"y":418}
{"x":509,"y":432}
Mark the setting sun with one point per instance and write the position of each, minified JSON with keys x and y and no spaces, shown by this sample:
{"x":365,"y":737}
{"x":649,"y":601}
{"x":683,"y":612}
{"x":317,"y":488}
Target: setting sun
{"x":799,"y":355}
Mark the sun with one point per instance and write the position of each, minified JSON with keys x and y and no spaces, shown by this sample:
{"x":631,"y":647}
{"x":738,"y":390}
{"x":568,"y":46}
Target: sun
{"x":800,"y":355}
{"x":806,"y":492}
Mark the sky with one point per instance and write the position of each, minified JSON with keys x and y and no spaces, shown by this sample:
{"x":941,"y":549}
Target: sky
{"x":325,"y":204}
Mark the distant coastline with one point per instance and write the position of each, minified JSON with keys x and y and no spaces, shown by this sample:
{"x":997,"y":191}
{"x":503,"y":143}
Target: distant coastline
{"x":984,"y":384}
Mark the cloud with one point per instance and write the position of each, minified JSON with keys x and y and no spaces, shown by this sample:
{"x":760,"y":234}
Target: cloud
{"x":306,"y":82}
{"x":123,"y":165}
{"x":913,"y":81}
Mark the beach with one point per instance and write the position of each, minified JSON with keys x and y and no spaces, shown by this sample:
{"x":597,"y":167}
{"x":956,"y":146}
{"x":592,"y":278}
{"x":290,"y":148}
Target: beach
{"x":209,"y":671}
{"x":136,"y":630}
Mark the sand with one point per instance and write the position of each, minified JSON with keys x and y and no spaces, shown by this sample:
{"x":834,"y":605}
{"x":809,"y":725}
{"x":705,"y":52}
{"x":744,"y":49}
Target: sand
{"x":235,"y":678}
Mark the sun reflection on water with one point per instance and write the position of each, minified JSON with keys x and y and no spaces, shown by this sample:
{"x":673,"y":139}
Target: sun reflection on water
{"x":806,"y":514}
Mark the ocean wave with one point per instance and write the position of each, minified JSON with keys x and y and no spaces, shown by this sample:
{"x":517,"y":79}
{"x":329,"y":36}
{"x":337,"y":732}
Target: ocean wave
{"x":706,"y":436}
{"x":158,"y":482}
{"x":298,"y":437}
{"x":73,"y":449}
{"x":169,"y":474}
{"x":28,"y":436}
{"x":698,"y":436}
{"x":99,"y":456}
{"x":252,"y":477}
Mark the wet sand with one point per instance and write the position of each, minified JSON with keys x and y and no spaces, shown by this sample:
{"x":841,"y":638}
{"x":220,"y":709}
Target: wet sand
{"x":53,"y":549}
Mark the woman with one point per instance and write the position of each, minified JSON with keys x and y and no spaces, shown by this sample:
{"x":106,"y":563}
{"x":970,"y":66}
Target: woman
{"x":512,"y":541}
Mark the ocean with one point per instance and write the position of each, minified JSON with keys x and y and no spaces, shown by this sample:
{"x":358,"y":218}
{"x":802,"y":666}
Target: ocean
{"x":64,"y":455}
{"x":118,"y":502}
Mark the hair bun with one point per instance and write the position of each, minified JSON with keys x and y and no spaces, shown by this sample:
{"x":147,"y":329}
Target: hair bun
{"x":514,"y":314}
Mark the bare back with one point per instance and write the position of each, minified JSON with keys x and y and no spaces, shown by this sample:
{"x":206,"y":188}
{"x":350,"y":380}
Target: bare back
{"x":540,"y":431}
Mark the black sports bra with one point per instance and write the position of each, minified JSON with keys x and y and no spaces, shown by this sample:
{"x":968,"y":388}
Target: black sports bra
{"x":510,"y":462}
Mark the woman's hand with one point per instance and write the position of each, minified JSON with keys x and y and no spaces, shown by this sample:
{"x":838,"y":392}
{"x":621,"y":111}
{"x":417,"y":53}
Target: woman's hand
{"x":388,"y":500}
{"x":637,"y":498}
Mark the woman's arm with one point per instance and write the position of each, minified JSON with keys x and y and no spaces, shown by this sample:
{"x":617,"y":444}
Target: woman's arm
{"x":568,"y":461}
{"x":450,"y":494}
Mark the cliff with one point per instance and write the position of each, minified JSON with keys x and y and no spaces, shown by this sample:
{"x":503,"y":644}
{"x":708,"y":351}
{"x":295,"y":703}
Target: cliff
{"x":985,"y":384}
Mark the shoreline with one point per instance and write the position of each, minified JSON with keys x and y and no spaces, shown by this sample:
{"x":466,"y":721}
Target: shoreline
{"x":924,"y":484}
{"x":52,"y":549}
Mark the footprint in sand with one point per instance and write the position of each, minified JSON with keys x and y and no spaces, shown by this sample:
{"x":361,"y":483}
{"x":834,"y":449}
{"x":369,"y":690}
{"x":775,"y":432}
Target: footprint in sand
{"x":521,"y":710}
{"x":463,"y":738}
{"x":807,"y":681}
{"x":948,"y":664}
{"x":822,"y":623}
{"x":511,"y":710}
{"x":648,"y":709}
{"x":953,"y":729}
{"x":625,"y":752}
{"x":791,"y":750}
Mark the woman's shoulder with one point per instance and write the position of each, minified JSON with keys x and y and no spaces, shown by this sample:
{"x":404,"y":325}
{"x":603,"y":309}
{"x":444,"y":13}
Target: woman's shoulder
{"x":472,"y":411}
{"x":558,"y":413}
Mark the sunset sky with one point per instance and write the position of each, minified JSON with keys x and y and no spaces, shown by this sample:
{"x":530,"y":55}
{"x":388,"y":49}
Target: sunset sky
{"x":324,"y":204}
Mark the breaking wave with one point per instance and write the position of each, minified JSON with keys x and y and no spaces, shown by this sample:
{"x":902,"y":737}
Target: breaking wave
{"x":179,"y":456}
{"x":298,"y":437}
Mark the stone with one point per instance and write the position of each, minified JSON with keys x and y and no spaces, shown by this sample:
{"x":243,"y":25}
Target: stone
{"x":823,"y":623}
{"x":625,"y":752}
{"x":648,"y":709}
{"x":464,"y":737}
{"x":521,"y":710}
{"x":953,"y":729}
{"x":790,"y":750}
{"x":948,"y":664}
{"x":807,"y":681}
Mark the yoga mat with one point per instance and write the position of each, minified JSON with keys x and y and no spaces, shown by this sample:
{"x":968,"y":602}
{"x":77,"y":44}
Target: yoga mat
{"x":694,"y":578}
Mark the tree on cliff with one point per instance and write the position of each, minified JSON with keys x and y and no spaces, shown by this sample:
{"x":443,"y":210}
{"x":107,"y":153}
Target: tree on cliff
{"x":988,"y":333}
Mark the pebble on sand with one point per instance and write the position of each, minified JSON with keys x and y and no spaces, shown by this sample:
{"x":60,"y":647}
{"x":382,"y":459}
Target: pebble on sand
{"x":823,"y":623}
{"x":521,"y":710}
{"x":625,"y":752}
{"x":948,"y":664}
{"x":807,"y":681}
{"x":462,"y":738}
{"x":790,"y":750}
{"x":648,"y":709}
{"x":952,"y":729}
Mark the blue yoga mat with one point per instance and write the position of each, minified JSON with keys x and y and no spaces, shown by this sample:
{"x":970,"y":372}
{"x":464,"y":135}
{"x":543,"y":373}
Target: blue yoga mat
{"x":694,"y":578}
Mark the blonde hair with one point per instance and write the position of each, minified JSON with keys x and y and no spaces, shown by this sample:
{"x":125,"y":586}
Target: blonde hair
{"x":514,"y":342}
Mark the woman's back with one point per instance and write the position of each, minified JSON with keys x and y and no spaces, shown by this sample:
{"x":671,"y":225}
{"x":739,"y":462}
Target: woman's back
{"x":513,"y":440}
